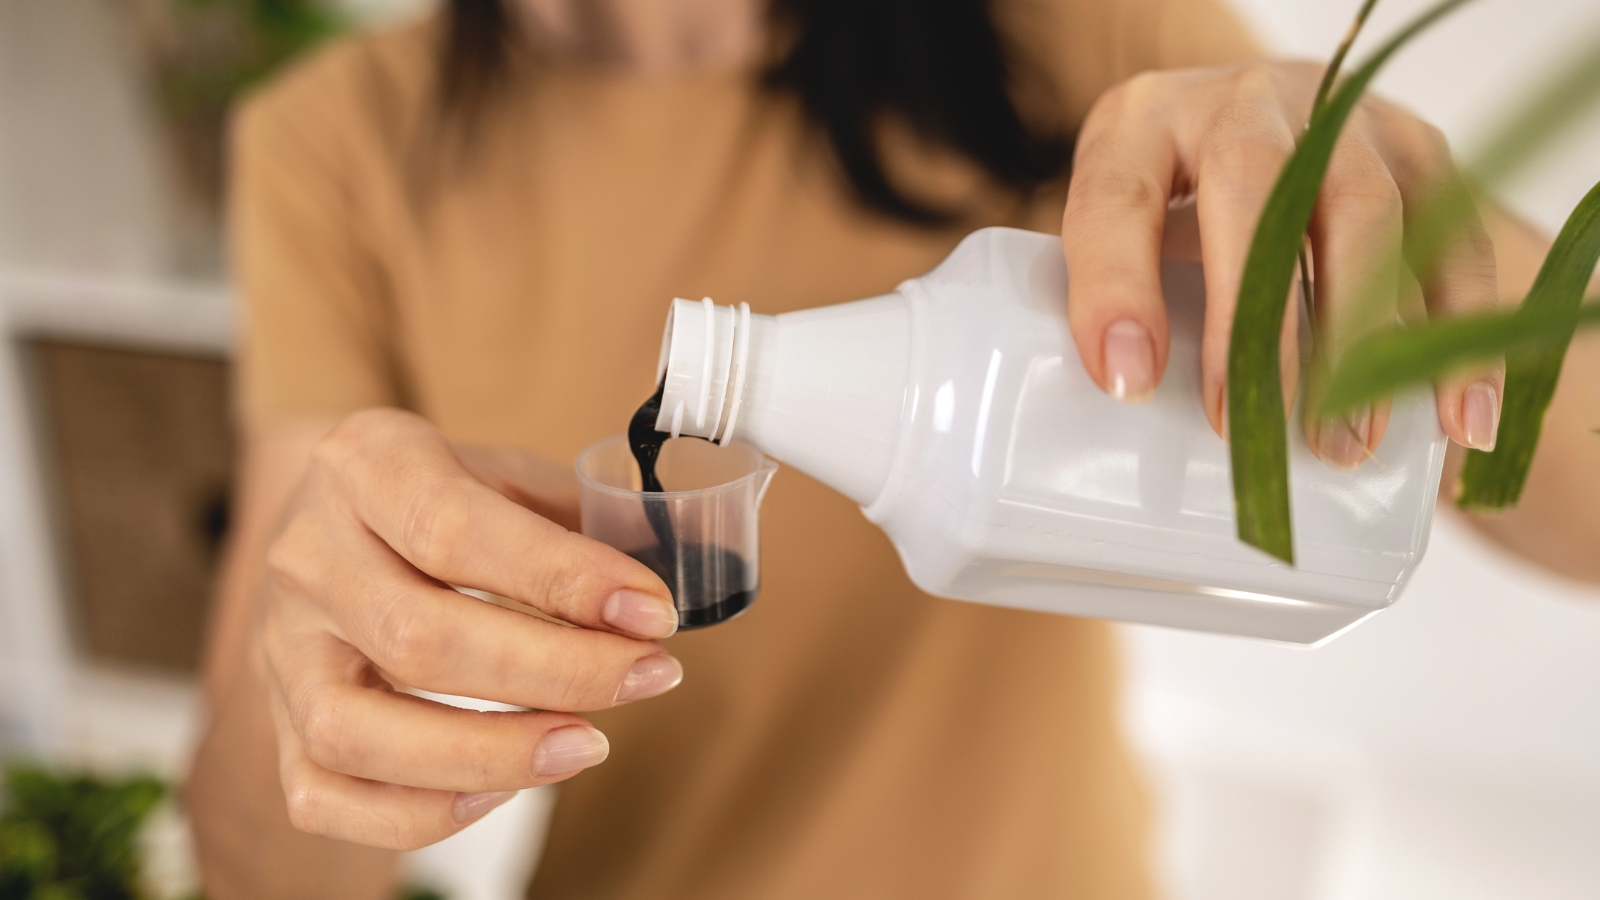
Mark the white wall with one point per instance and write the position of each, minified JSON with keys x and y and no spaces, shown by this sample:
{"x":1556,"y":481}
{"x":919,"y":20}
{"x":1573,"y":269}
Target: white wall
{"x":83,"y":182}
{"x":378,"y":11}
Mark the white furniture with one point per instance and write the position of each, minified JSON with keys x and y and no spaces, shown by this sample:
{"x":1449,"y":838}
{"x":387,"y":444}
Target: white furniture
{"x":55,"y":705}
{"x":52,"y":703}
{"x":89,"y":246}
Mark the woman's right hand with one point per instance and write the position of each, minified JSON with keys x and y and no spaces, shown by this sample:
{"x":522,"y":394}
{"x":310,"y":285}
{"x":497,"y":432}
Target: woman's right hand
{"x":357,"y":605}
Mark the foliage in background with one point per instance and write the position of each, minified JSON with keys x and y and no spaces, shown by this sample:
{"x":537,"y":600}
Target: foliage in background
{"x":204,"y":53}
{"x":75,"y":836}
{"x":1535,"y":338}
{"x":72,"y":837}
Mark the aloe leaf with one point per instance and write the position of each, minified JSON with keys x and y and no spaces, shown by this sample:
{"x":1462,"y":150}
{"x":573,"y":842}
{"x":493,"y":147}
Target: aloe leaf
{"x":1337,"y":62}
{"x":1381,"y":364}
{"x":1495,"y":480}
{"x":1257,"y":430}
{"x":1324,"y":87}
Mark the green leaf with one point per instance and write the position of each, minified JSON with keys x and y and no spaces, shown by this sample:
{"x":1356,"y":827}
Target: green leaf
{"x":1495,"y":480}
{"x":1329,"y":75}
{"x":1337,"y":62}
{"x":91,"y":822}
{"x":27,"y":857}
{"x":1257,"y":431}
{"x":1381,"y":364}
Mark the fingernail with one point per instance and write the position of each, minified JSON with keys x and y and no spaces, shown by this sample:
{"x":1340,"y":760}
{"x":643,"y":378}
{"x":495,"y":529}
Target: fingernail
{"x":1130,"y":361}
{"x":641,"y":614}
{"x":1480,"y":415}
{"x":472,"y":807}
{"x":650,"y":676}
{"x":570,"y":749}
{"x":1342,"y":443}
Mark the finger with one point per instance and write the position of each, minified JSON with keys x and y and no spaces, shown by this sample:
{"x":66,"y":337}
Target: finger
{"x":429,"y":636}
{"x":1238,"y":151}
{"x":349,"y":720}
{"x":360,"y":811}
{"x":1111,"y":234}
{"x":407,"y":485}
{"x":1355,"y":235}
{"x":1463,"y":278}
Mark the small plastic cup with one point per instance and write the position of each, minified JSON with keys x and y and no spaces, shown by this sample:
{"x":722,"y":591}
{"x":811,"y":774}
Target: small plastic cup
{"x":702,"y":536}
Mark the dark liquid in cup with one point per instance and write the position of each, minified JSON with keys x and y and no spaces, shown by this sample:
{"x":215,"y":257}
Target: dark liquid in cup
{"x":692,"y":571}
{"x":697,"y":573}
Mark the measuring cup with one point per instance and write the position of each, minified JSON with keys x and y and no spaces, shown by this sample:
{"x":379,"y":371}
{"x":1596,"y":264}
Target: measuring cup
{"x":701,"y":536}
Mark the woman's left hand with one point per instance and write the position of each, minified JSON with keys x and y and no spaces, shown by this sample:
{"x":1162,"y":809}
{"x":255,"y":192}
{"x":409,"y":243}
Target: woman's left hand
{"x":1222,"y":135}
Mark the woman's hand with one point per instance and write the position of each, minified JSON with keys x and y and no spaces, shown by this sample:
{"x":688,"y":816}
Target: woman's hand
{"x":1221,"y":135}
{"x":357,"y":602}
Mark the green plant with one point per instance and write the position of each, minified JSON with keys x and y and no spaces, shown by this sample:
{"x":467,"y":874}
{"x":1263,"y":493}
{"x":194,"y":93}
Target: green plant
{"x":1534,"y":338}
{"x":72,"y":837}
{"x":231,"y":44}
{"x":205,"y":53}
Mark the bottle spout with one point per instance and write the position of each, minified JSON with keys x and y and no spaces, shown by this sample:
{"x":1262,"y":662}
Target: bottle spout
{"x":822,"y":389}
{"x":704,"y":367}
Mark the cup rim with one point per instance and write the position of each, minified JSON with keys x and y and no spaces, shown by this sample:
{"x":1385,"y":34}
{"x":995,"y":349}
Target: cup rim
{"x":764,"y":469}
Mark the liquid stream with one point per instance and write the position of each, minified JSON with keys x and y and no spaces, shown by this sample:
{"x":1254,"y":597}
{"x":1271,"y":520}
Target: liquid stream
{"x":692,"y":571}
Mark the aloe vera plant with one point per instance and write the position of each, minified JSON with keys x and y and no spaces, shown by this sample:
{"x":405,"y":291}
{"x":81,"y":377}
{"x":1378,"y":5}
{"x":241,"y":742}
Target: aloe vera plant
{"x":1534,"y":337}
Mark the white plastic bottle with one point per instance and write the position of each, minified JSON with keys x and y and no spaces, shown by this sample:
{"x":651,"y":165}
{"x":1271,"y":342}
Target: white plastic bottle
{"x":957,"y":413}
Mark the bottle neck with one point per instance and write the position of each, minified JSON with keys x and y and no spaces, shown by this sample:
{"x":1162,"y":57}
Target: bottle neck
{"x":821,"y":389}
{"x":704,"y":368}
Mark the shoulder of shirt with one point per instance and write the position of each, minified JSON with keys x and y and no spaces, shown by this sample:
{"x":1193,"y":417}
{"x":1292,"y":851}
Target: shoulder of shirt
{"x":370,"y":87}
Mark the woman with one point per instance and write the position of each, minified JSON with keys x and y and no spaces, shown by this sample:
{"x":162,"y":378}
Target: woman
{"x":480,"y":218}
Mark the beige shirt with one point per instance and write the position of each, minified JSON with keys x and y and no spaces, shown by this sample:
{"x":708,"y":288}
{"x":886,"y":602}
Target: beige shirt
{"x":848,"y":736}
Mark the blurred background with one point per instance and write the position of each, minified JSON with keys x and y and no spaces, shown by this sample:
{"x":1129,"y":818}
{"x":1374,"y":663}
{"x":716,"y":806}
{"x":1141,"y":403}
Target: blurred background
{"x":1446,"y":748}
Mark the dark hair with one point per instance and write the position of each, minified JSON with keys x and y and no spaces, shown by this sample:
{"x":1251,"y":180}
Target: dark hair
{"x":940,"y":66}
{"x":477,"y":55}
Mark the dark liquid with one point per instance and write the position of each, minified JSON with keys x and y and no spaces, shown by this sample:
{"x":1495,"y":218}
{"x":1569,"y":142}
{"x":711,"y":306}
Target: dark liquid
{"x":693,"y":572}
{"x":645,"y":442}
{"x":700,"y":574}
